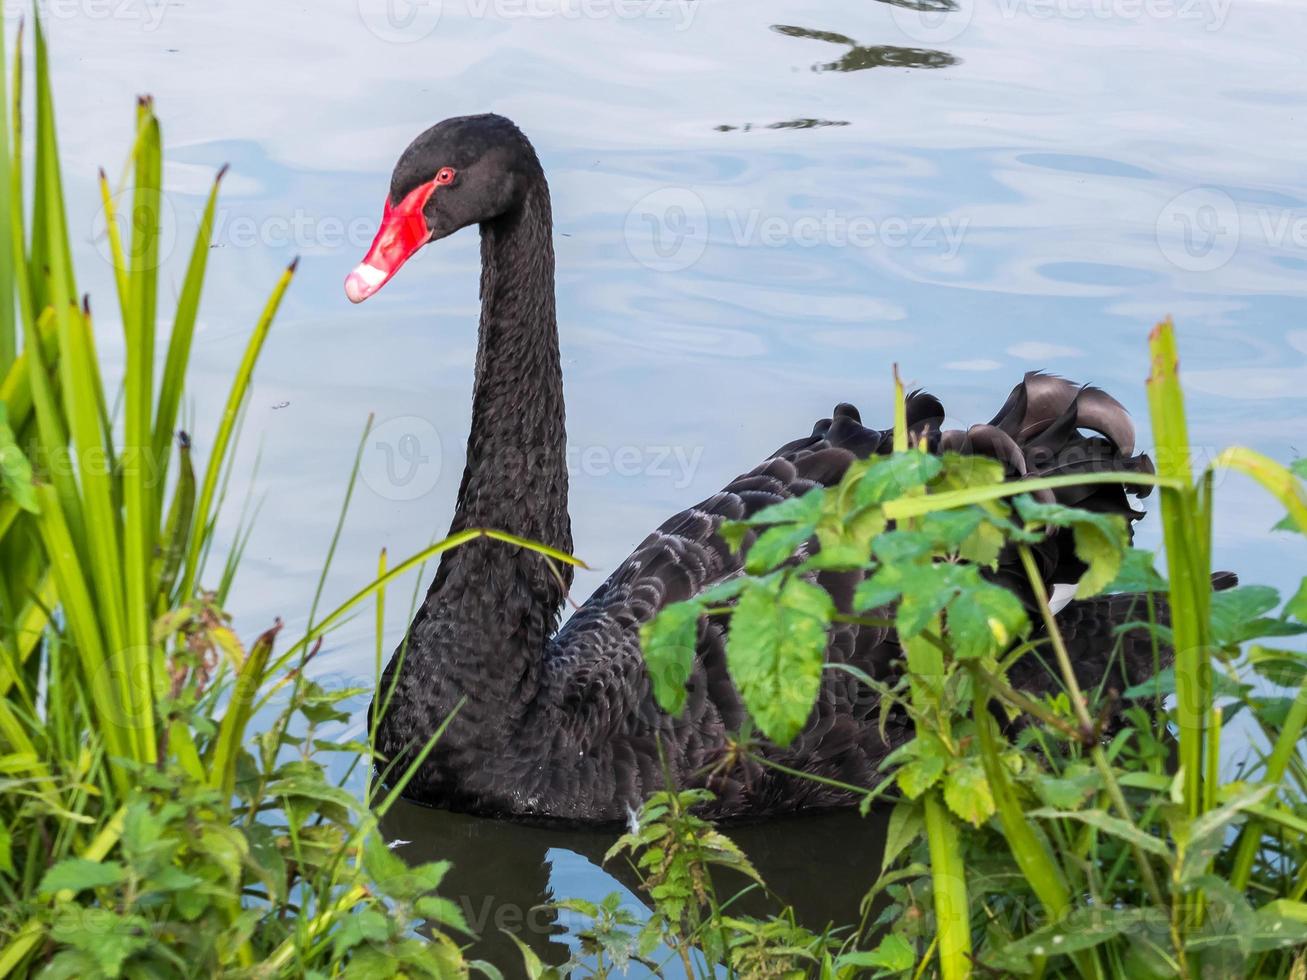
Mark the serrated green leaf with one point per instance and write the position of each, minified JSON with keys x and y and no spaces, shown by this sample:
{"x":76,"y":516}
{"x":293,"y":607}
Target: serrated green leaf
{"x":443,"y":912}
{"x":775,"y":651}
{"x":366,"y":925}
{"x":919,"y":775}
{"x":967,"y":793}
{"x":986,"y":620}
{"x":1138,"y":573}
{"x":894,"y":953}
{"x":775,"y":546}
{"x":668,"y":642}
{"x":78,"y":874}
{"x":1100,"y":539}
{"x":1287,"y":668}
{"x":906,"y":824}
{"x":890,"y":477}
{"x":1082,"y":929}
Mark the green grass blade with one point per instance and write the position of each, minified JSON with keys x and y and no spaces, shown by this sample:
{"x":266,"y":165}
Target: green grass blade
{"x":115,"y":725}
{"x":1189,"y":577}
{"x":139,"y":495}
{"x":226,"y":747}
{"x":181,"y":514}
{"x":172,"y":382}
{"x":218,"y":456}
{"x":117,"y":256}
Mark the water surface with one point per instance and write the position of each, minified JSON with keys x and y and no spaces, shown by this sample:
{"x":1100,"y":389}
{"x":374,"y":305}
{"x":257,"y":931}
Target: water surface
{"x":760,"y":206}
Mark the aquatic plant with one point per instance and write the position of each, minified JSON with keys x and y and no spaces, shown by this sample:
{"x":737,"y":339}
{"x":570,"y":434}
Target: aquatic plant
{"x":1053,"y":835}
{"x":148,"y":825}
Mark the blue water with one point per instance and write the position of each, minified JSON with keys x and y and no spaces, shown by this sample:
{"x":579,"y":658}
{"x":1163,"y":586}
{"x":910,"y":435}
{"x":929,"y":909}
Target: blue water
{"x":760,"y":207}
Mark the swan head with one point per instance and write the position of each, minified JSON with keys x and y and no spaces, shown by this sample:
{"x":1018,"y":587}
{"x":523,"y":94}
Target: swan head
{"x":463,"y":171}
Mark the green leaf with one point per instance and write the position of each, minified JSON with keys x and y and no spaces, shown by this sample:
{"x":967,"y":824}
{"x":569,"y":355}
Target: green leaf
{"x":846,"y":540}
{"x":1137,"y":573}
{"x":928,"y":757}
{"x":1297,"y":606}
{"x":78,"y":874}
{"x":927,"y":590}
{"x":881,"y":588}
{"x":890,"y":477}
{"x":721,"y":592}
{"x":1288,"y":668}
{"x":1101,"y":539}
{"x":1202,"y":838}
{"x":1109,"y":825}
{"x":906,"y":824}
{"x":967,"y":793}
{"x":442,"y":912}
{"x":775,"y":546}
{"x":668,"y":642}
{"x":949,"y":528}
{"x":985,"y":620}
{"x":775,"y":651}
{"x":367,"y":925}
{"x":894,"y":953}
{"x":15,"y":470}
{"x":534,"y":967}
{"x":1237,"y":615}
{"x":1162,"y":684}
{"x":1082,"y":929}
{"x":1069,"y":790}
{"x":106,"y":937}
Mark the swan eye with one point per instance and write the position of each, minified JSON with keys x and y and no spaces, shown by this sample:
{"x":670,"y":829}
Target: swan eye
{"x":445,"y":176}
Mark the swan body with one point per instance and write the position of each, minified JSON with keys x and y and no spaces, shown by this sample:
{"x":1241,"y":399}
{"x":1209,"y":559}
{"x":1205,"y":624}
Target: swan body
{"x":544,"y":722}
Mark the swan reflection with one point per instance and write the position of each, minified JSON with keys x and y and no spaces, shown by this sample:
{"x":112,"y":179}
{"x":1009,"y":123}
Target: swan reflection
{"x":504,"y":872}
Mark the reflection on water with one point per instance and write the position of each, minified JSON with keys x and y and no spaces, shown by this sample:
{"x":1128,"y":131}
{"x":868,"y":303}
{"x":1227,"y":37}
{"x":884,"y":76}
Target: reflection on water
{"x":860,"y":56}
{"x":502,"y":872}
{"x":787,"y":124}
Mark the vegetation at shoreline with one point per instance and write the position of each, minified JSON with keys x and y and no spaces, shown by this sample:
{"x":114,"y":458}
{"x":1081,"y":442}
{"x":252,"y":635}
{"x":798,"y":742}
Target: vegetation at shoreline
{"x":158,"y":818}
{"x":1056,"y":843}
{"x":146,"y":828}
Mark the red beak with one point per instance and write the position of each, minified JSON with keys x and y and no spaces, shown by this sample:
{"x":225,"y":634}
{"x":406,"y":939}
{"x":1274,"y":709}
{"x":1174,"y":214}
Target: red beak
{"x":403,"y":231}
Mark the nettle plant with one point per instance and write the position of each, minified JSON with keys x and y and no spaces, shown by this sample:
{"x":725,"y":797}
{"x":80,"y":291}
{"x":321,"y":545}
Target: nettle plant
{"x":1041,"y":829}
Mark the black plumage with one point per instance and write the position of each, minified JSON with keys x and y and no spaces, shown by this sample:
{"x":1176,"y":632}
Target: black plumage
{"x":560,"y":723}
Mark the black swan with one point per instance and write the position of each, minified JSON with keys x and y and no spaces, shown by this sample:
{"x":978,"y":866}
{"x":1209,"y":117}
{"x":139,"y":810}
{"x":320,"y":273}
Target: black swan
{"x":560,"y":723}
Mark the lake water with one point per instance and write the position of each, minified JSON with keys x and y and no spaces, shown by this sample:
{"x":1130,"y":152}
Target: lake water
{"x":760,"y":206}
